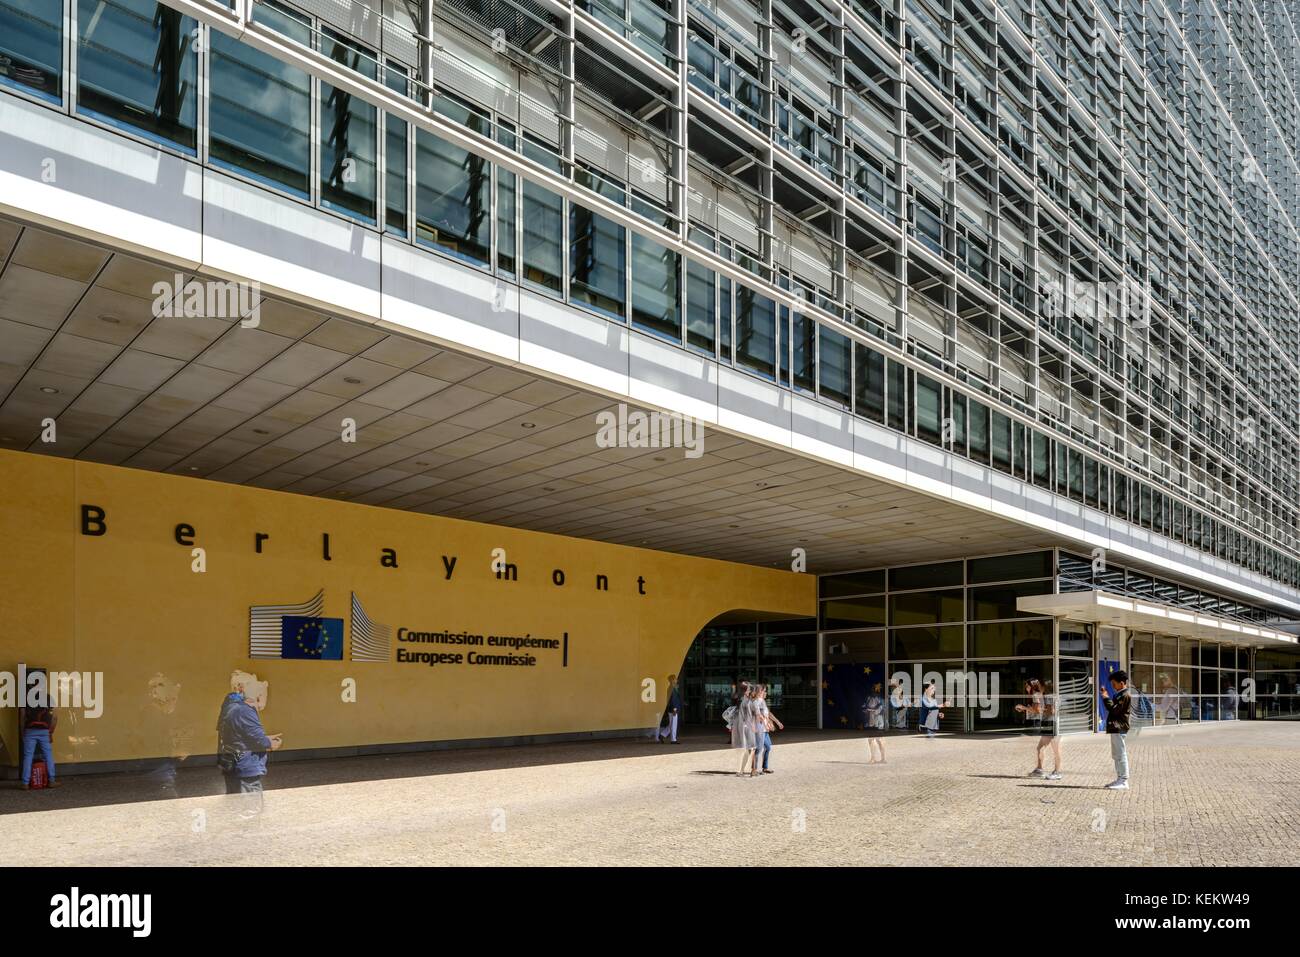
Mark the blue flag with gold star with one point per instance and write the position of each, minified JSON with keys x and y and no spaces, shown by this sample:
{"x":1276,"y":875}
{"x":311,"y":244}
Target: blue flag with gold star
{"x":845,"y":686}
{"x":318,"y":638}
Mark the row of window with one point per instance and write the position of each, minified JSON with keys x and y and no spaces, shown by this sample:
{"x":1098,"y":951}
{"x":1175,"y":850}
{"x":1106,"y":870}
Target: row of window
{"x":137,"y":67}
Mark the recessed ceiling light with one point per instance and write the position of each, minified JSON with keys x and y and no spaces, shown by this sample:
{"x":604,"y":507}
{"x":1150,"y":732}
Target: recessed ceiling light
{"x":261,"y":431}
{"x":649,"y":508}
{"x":528,"y":425}
{"x":194,"y":468}
{"x":421,"y":463}
{"x":760,"y":485}
{"x":548,"y":488}
{"x":111,"y":320}
{"x":733,"y":526}
{"x":7,"y":438}
{"x":49,"y":390}
{"x":351,"y":380}
{"x":661,"y":458}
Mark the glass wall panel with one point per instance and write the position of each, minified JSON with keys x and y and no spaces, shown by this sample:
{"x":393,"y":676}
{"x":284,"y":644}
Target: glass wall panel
{"x":869,"y":386}
{"x":701,"y":309}
{"x":656,"y":284}
{"x":833,"y":366}
{"x":507,"y":201}
{"x":1005,"y":568}
{"x":944,"y":641}
{"x":260,"y":108}
{"x":1032,"y":636}
{"x":137,"y":68}
{"x":999,"y":601}
{"x":396,"y":158}
{"x":929,"y":410}
{"x":803,"y":345}
{"x":852,"y":583}
{"x":943,"y":575}
{"x":349,"y":148}
{"x":925,"y":607}
{"x":853,"y":613}
{"x":597,"y":250}
{"x":31,"y":46}
{"x":1011,"y":676}
{"x":543,"y":223}
{"x":453,"y":207}
{"x":755,"y":331}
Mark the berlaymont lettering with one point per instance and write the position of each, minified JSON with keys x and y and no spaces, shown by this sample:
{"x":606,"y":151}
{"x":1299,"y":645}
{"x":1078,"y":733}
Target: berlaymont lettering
{"x":370,"y":626}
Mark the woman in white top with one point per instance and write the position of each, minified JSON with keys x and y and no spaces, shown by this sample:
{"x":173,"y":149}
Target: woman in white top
{"x":742,"y":728}
{"x":874,"y":724}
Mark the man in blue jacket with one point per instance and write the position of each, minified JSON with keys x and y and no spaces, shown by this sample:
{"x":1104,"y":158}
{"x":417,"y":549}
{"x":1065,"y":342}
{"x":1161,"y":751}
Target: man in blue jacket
{"x":669,"y":729}
{"x":242,"y":743}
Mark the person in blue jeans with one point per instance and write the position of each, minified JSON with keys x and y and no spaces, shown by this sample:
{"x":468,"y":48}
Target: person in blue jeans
{"x":38,"y":725}
{"x":770,"y":721}
{"x":1117,"y":727}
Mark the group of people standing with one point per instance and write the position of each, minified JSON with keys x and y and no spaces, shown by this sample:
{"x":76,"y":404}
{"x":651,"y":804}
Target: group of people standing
{"x":751,"y":723}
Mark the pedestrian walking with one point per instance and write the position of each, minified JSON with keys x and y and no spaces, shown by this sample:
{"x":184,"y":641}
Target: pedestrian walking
{"x":874,"y":723}
{"x":770,"y":722}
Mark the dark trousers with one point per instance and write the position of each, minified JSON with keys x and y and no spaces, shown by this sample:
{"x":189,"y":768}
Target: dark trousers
{"x":250,"y":788}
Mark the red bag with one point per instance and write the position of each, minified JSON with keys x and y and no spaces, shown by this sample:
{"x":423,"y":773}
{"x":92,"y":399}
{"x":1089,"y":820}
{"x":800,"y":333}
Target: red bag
{"x":39,"y":778}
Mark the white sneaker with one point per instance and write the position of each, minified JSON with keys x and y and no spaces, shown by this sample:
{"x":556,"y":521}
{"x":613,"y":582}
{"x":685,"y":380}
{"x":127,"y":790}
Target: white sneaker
{"x":1036,"y":773}
{"x":1120,"y":785}
{"x":1054,"y":776}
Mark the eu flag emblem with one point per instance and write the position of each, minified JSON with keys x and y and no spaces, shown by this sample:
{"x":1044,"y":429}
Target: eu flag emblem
{"x":319,"y":638}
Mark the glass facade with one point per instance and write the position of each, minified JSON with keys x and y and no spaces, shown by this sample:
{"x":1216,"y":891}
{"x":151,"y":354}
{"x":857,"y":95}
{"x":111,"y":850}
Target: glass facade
{"x":1075,"y":262}
{"x":960,"y":618}
{"x":956,"y":616}
{"x":780,"y":654}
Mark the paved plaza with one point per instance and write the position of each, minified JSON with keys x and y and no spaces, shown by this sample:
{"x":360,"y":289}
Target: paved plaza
{"x":1220,"y":795}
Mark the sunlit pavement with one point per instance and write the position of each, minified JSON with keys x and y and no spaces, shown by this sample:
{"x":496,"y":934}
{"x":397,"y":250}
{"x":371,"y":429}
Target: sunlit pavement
{"x":1223,"y":795}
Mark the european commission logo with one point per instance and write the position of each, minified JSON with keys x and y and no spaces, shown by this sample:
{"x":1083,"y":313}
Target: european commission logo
{"x":371,"y":641}
{"x":295,"y":631}
{"x":301,"y":631}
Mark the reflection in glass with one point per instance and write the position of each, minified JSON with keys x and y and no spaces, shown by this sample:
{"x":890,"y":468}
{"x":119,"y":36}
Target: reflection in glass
{"x":597,"y":250}
{"x":260,"y":108}
{"x":349,"y":144}
{"x":755,"y":331}
{"x":452,"y":202}
{"x":543,"y":222}
{"x":136,"y":67}
{"x":396,"y":160}
{"x":31,"y":46}
{"x":656,"y":282}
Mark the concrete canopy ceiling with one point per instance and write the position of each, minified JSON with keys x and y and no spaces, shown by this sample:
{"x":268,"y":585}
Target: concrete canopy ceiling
{"x":437,"y":431}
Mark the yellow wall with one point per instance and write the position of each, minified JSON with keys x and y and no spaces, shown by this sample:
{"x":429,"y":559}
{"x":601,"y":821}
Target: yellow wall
{"x":128,"y":604}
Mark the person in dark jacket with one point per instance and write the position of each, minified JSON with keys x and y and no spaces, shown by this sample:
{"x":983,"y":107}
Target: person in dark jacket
{"x":242,"y":743}
{"x":38,"y":726}
{"x":669,"y":728}
{"x":1117,"y":714}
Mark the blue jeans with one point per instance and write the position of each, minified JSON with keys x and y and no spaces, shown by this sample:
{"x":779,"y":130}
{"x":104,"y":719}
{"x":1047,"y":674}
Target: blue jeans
{"x":1119,"y":753}
{"x":764,"y":748}
{"x":31,"y":738}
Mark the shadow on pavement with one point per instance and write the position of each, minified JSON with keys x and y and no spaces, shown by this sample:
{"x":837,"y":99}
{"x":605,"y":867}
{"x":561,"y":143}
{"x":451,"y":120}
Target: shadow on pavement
{"x":199,"y":777}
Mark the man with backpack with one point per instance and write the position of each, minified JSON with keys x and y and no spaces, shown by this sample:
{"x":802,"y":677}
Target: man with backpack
{"x":241,"y":741}
{"x":38,"y":725}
